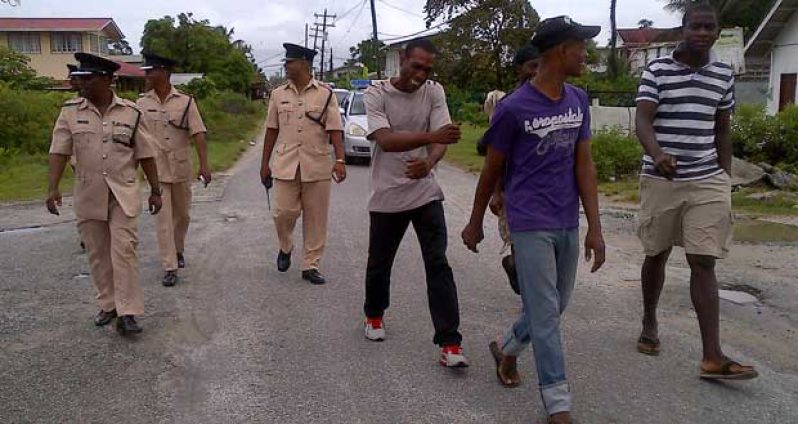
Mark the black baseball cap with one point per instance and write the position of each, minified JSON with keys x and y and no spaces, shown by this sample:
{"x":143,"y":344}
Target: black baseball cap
{"x":552,"y":32}
{"x":525,"y":54}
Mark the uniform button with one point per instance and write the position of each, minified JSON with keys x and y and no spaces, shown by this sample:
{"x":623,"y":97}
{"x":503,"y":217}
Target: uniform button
{"x":299,"y":130}
{"x":105,"y":124}
{"x":105,"y":156}
{"x":300,"y":116}
{"x":105,"y":173}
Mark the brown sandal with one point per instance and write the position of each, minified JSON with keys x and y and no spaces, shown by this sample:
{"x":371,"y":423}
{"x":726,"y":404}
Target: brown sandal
{"x":648,"y":346}
{"x":743,"y":372}
{"x":498,"y":356}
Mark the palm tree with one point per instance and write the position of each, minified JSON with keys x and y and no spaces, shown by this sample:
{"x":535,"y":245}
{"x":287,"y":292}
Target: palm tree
{"x":645,"y":23}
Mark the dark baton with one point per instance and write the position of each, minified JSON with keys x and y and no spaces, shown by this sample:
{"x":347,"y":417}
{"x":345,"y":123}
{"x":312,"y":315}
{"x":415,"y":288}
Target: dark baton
{"x":267,"y":183}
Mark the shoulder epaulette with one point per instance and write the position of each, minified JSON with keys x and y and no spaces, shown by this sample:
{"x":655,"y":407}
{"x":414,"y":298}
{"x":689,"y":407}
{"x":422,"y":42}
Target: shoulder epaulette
{"x":73,"y":102}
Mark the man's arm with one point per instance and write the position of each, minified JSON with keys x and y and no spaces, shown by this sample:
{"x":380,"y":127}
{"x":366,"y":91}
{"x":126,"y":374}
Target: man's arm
{"x":587,"y":183}
{"x":57,"y":164}
{"x":644,"y":123}
{"x":151,"y":171}
{"x":491,"y":173}
{"x":202,"y":153}
{"x":268,"y":146}
{"x":390,"y":141}
{"x":723,"y":139}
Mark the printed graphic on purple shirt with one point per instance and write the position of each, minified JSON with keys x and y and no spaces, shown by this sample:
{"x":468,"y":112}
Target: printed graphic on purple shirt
{"x":538,"y":136}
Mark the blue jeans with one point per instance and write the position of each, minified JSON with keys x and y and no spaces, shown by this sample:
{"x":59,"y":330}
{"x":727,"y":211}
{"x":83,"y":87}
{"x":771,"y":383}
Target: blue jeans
{"x":546,"y":262}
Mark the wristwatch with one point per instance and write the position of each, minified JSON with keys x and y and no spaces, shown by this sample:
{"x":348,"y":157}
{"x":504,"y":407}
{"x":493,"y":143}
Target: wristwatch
{"x":343,"y":161}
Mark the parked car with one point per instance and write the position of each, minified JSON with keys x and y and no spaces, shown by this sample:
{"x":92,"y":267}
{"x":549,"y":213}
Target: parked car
{"x":356,"y":146}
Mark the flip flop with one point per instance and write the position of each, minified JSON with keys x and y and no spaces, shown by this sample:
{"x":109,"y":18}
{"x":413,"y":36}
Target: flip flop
{"x":726,"y":372}
{"x":648,"y":346}
{"x":497,"y":357}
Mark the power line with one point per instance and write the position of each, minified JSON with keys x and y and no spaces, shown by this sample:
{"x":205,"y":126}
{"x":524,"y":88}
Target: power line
{"x":417,"y":33}
{"x":351,"y":27}
{"x":400,"y":9}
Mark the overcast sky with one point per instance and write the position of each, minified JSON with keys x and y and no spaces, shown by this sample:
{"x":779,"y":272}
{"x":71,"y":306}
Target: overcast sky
{"x":266,"y":24}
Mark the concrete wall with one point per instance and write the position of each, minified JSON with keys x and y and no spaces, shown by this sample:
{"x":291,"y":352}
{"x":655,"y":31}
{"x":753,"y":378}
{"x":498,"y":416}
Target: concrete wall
{"x":785,"y":61}
{"x":605,"y":117}
{"x":751,"y":92}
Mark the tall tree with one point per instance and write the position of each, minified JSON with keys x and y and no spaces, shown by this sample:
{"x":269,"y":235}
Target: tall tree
{"x":369,"y":53}
{"x":482,"y":38}
{"x":199,"y":47}
{"x":645,"y":23}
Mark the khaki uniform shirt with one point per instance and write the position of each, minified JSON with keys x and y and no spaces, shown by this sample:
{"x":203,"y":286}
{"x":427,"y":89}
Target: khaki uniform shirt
{"x":173,"y":123}
{"x":303,"y":143}
{"x":107,"y":150}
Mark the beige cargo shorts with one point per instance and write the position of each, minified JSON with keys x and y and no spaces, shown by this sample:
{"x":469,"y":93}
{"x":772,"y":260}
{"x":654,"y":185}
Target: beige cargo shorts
{"x":695,"y":215}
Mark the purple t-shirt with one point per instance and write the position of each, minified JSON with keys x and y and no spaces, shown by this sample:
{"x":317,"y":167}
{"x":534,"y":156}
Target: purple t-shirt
{"x":538,"y":136}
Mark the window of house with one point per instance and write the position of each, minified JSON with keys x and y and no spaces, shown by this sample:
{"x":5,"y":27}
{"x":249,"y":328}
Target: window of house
{"x":25,"y":42}
{"x":66,"y":42}
{"x":98,"y":44}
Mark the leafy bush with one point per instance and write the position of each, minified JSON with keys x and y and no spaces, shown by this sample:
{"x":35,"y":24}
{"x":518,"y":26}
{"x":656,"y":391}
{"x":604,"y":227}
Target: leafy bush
{"x":466,"y":106}
{"x":758,"y":137}
{"x":26,"y":123}
{"x":200,"y":88}
{"x":616,"y":154}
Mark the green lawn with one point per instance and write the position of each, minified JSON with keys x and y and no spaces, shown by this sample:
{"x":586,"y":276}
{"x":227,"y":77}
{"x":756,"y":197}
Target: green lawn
{"x":464,"y":154}
{"x":24,"y":177}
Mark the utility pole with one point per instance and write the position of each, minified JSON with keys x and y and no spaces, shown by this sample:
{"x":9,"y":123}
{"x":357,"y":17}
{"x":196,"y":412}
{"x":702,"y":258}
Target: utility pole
{"x":376,"y":40}
{"x":306,"y":35}
{"x":315,"y":42}
{"x":324,"y":26}
{"x":331,"y":61}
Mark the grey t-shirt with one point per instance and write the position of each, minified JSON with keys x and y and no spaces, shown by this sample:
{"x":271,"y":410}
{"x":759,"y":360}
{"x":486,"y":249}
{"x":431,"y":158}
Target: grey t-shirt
{"x":424,"y":110}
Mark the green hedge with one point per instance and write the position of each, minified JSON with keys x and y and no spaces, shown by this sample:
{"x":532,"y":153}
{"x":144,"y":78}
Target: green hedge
{"x":758,"y":137}
{"x":616,"y":154}
{"x":26,"y":123}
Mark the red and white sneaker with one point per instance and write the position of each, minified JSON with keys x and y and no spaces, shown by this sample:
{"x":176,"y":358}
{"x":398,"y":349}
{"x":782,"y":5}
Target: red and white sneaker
{"x":374,"y":329}
{"x":452,"y":357}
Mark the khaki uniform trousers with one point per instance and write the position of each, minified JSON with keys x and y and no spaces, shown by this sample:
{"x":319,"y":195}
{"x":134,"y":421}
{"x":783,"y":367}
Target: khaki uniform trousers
{"x":111,"y":248}
{"x":310,"y":199}
{"x":173,"y":220}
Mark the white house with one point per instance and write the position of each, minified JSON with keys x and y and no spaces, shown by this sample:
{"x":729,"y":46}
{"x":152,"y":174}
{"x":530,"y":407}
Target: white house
{"x":777,"y":38}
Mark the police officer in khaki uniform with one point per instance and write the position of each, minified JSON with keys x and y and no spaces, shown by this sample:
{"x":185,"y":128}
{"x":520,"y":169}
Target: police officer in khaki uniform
{"x":302,"y":122}
{"x":109,"y":138}
{"x":176,"y":121}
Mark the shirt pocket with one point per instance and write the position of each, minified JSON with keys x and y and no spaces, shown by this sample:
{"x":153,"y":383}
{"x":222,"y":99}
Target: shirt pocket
{"x":82,"y":137}
{"x":122,"y":133}
{"x":284,"y":113}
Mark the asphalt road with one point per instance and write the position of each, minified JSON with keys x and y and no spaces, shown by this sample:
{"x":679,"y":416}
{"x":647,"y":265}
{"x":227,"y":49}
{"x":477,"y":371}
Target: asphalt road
{"x":237,"y":342}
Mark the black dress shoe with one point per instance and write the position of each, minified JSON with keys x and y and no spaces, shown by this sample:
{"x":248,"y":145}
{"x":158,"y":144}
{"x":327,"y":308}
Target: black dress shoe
{"x":170,"y":279}
{"x":181,"y":261}
{"x":127,"y":324}
{"x":104,"y":318}
{"x":283,"y":261}
{"x":314,"y":276}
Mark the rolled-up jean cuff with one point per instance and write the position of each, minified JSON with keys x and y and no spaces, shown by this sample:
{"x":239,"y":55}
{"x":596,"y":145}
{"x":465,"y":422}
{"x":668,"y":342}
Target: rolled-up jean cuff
{"x":511,"y":346}
{"x":556,"y":397}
